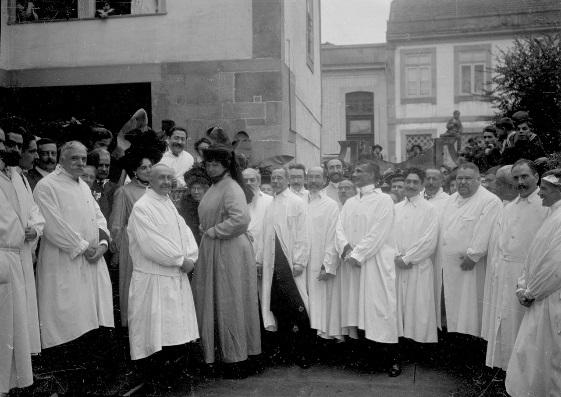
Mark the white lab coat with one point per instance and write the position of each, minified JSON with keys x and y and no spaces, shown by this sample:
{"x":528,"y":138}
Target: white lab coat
{"x":366,"y":223}
{"x":74,"y":295}
{"x":465,"y":230}
{"x":161,"y":307}
{"x":15,"y":350}
{"x":520,"y":221}
{"x":286,"y":218}
{"x":322,"y":217}
{"x":534,"y":367}
{"x":416,"y":234}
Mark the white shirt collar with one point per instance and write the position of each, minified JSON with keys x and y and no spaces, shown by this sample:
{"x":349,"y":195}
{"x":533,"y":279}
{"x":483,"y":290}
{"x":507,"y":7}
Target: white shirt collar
{"x":368,"y":189}
{"x":531,"y":198}
{"x":41,"y":171}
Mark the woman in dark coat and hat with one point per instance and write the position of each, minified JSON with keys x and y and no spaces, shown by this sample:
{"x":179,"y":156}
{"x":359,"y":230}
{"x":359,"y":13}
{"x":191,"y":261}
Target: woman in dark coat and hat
{"x":225,"y":277}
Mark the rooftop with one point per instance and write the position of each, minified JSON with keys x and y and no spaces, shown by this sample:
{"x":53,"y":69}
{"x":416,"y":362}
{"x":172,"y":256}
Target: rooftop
{"x":357,"y":56}
{"x":410,"y":19}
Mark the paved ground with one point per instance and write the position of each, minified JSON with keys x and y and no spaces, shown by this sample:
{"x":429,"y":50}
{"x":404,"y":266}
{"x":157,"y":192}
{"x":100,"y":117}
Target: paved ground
{"x":323,"y":381}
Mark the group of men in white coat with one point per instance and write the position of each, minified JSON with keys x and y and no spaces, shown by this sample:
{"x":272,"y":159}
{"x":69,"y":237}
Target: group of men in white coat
{"x":369,"y":268}
{"x":72,"y":304}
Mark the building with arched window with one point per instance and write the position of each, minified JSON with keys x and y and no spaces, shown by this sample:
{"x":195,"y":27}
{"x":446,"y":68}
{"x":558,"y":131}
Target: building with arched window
{"x":354,"y":96}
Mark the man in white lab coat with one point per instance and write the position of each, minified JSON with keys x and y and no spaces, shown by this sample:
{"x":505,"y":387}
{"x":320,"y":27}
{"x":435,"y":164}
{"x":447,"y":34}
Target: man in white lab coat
{"x":20,"y":226}
{"x":285,"y":257}
{"x":322,"y":216}
{"x":465,"y":230}
{"x":533,"y":369}
{"x":519,"y":223}
{"x":416,"y":234}
{"x":163,"y":251}
{"x":365,"y":242}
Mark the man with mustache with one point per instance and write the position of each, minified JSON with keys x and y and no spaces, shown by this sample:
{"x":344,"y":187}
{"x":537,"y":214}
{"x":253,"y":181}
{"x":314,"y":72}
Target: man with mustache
{"x":21,"y":224}
{"x":45,"y":162}
{"x":533,"y":368}
{"x":176,"y":157}
{"x":520,"y":219}
{"x":285,"y":257}
{"x":334,"y":169}
{"x":322,"y":221}
{"x":297,"y":180}
{"x":102,"y":188}
{"x":73,"y":285}
{"x":29,"y":153}
{"x":345,"y":190}
{"x":465,"y":231}
{"x":416,"y":233}
{"x":434,"y":193}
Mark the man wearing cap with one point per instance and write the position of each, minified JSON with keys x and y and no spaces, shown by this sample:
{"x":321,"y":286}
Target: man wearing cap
{"x":533,"y":369}
{"x":504,"y":128}
{"x":518,"y":222}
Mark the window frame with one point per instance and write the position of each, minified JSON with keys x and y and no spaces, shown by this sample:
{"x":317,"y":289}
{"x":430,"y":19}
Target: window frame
{"x":310,"y":35}
{"x":459,"y":94}
{"x":359,"y":115}
{"x":162,"y":10}
{"x":404,"y":66}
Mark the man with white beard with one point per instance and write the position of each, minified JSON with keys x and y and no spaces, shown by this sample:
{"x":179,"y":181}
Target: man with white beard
{"x":520,"y":221}
{"x":465,"y":231}
{"x":335,"y":173}
{"x":416,"y":234}
{"x":322,"y":221}
{"x":365,"y":243}
{"x":533,"y":369}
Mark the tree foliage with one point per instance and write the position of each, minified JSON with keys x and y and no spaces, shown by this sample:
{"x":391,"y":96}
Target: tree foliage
{"x":528,"y":77}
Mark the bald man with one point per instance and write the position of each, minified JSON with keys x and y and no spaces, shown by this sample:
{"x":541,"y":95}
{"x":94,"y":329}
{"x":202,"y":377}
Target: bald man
{"x":505,"y":185}
{"x":163,"y":251}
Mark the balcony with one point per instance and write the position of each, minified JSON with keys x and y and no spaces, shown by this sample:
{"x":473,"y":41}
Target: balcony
{"x":42,"y":11}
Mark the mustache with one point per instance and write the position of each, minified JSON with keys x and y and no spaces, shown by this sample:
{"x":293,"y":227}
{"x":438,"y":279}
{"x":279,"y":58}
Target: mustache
{"x":521,"y":187}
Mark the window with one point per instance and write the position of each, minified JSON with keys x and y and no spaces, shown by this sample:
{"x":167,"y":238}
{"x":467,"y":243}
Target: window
{"x":310,"y":34}
{"x":24,"y":11}
{"x":472,"y":64}
{"x":418,"y":71}
{"x":359,"y":110}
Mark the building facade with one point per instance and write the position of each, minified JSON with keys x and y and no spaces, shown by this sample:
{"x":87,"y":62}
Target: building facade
{"x":354,"y":95}
{"x":443,"y":53}
{"x":251,"y":65}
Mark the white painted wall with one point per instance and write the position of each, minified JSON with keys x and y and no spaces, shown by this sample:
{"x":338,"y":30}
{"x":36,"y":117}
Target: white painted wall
{"x":445,"y":83}
{"x":192,"y":30}
{"x":308,"y":82}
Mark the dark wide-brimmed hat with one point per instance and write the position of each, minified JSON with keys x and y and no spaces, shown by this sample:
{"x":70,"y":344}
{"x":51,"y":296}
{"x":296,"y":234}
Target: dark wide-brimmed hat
{"x":197,"y":174}
{"x":134,"y":155}
{"x":218,"y":152}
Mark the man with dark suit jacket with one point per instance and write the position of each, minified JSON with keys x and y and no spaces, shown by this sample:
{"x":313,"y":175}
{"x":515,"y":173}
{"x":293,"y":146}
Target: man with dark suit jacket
{"x":102,"y":188}
{"x":45,"y":162}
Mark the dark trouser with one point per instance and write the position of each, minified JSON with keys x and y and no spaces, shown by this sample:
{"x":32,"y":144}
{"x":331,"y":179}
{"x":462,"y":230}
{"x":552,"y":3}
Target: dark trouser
{"x":294,"y":330}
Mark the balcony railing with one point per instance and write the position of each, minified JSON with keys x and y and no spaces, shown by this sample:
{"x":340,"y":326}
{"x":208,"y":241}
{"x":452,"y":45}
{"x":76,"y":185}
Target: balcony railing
{"x":30,"y":11}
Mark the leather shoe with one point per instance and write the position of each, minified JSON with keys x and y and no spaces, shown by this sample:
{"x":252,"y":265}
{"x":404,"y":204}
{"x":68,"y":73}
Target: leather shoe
{"x":394,"y":370}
